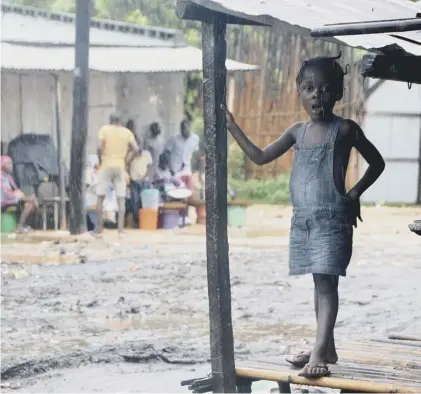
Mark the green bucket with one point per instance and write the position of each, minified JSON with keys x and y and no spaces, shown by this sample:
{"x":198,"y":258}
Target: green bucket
{"x":237,"y":215}
{"x":8,"y":222}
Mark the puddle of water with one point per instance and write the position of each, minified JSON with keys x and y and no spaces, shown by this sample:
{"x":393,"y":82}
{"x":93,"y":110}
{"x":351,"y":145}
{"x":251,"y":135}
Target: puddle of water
{"x":126,"y":378}
{"x":158,"y":324}
{"x":45,"y":347}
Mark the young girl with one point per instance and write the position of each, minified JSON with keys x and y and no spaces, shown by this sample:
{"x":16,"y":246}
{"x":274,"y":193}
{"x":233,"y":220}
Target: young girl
{"x":323,"y":212}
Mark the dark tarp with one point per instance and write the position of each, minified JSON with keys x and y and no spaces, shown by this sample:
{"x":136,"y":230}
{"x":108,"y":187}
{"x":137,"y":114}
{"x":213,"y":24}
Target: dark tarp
{"x":35,"y":160}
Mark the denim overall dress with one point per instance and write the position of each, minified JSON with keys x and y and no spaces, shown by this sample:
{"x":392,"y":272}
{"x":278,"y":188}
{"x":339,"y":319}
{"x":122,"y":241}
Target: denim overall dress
{"x":321,"y":229}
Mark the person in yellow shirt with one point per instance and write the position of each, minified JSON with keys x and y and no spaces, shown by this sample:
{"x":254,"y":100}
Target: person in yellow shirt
{"x":117,"y":147}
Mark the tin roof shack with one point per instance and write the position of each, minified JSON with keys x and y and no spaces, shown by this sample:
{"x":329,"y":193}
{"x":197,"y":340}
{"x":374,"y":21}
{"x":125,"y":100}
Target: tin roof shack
{"x":139,"y":71}
{"x":299,"y":16}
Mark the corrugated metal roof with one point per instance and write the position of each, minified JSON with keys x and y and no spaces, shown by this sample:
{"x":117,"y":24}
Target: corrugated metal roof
{"x":28,"y":24}
{"x":109,"y":59}
{"x":303,"y":15}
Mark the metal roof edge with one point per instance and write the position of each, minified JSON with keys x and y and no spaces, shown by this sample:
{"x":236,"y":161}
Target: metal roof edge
{"x":270,"y":20}
{"x":267,"y":20}
{"x":103,"y":24}
{"x":146,"y":60}
{"x":263,"y":19}
{"x":49,"y":44}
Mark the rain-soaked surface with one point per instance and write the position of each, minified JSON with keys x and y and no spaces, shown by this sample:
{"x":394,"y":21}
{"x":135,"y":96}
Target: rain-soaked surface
{"x":85,"y":315}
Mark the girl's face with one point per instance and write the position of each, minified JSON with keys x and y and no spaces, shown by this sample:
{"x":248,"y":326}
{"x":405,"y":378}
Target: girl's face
{"x":317,"y":93}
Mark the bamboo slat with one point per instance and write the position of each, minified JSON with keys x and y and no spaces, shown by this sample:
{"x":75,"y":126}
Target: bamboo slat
{"x":403,"y":337}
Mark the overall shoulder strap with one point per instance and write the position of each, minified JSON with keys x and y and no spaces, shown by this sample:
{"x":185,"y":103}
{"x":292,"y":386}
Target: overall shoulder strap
{"x":301,"y":133}
{"x":333,"y":130}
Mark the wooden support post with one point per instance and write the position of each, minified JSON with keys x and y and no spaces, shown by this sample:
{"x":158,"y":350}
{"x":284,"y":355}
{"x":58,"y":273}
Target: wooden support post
{"x":219,"y":289}
{"x":244,"y":385}
{"x":284,"y":387}
{"x":61,"y":166}
{"x":77,"y":219}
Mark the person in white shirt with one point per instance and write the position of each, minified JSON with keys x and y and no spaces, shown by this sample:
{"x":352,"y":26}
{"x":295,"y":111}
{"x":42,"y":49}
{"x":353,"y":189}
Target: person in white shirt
{"x":154,"y":143}
{"x":181,"y":148}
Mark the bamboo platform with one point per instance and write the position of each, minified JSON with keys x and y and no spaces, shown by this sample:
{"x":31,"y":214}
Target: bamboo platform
{"x":374,"y":366}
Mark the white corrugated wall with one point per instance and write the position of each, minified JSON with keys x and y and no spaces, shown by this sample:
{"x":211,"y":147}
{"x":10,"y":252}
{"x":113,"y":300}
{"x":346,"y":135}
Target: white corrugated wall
{"x":393,"y":124}
{"x":27,"y":103}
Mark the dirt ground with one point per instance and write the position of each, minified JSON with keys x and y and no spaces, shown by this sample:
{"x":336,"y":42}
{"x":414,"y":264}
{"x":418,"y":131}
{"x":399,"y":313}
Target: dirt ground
{"x":87,"y":315}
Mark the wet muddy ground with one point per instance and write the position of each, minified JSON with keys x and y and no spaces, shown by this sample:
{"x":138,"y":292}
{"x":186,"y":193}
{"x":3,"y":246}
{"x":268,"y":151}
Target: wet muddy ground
{"x":84,"y":315}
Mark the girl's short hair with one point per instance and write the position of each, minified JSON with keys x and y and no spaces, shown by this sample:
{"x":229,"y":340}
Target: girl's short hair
{"x":330,"y":66}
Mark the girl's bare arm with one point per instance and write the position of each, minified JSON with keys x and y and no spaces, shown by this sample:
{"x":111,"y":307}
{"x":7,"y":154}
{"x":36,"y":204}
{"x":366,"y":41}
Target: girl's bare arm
{"x":371,"y":155}
{"x":253,"y":152}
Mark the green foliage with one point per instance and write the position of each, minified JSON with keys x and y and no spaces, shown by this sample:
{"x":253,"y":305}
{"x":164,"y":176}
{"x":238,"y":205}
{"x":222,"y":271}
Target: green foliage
{"x":142,"y":12}
{"x":137,"y":17}
{"x":269,"y":191}
{"x":236,"y":162}
{"x":193,"y":37}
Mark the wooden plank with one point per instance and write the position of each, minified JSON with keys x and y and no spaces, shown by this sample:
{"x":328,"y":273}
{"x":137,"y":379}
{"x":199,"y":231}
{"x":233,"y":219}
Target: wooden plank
{"x":219,"y":289}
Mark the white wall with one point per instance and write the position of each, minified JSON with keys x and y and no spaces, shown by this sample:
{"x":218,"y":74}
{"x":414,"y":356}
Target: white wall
{"x":396,"y":137}
{"x":146,"y":98}
{"x":22,"y":111}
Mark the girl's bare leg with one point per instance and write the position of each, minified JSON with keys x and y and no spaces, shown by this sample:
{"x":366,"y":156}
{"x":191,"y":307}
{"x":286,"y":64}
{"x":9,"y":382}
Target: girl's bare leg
{"x":326,"y":289}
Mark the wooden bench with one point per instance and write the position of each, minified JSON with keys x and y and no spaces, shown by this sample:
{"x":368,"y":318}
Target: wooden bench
{"x":376,"y":366}
{"x":178,"y":206}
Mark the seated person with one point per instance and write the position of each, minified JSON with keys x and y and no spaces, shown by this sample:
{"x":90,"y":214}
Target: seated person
{"x":165,"y":179}
{"x":11,"y":195}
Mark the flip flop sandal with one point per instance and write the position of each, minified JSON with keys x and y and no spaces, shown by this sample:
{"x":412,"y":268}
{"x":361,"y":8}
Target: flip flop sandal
{"x":300,"y":360}
{"x":306,"y":372}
